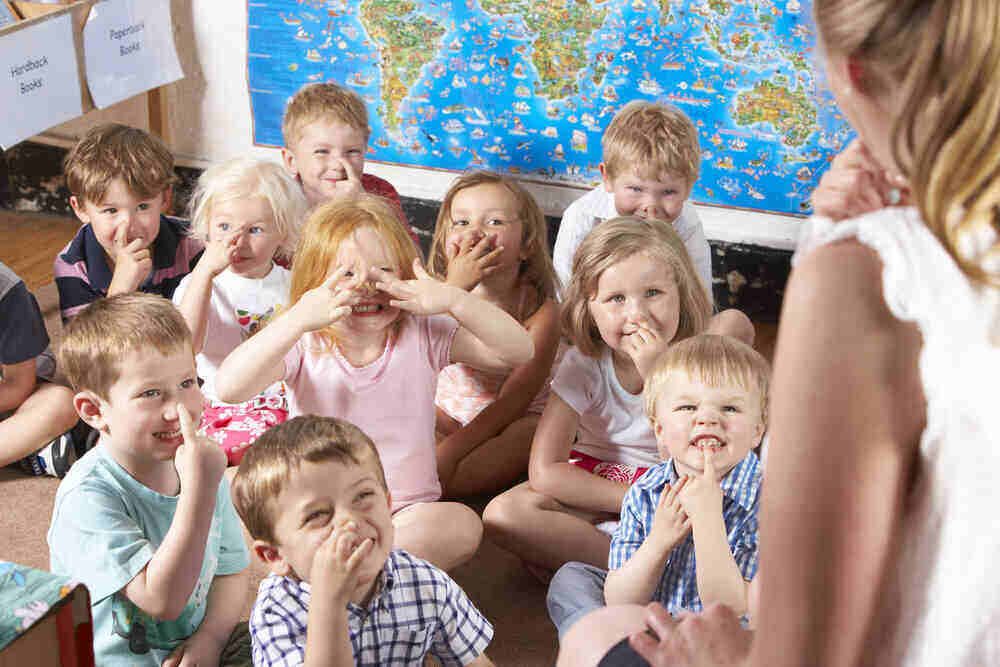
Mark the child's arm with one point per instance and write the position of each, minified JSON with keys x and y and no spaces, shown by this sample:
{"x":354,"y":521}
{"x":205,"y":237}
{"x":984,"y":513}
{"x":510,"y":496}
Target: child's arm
{"x":550,"y":471}
{"x":481,"y":660}
{"x":194,"y":302}
{"x":226,"y":599}
{"x":636,"y":580}
{"x":163,"y":587}
{"x":517,"y":392}
{"x":259,"y":361}
{"x":488,"y":337}
{"x":133,"y":263}
{"x":719,"y":577}
{"x":17,"y":385}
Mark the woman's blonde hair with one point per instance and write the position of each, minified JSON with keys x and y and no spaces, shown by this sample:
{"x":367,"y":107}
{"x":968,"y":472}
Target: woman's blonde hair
{"x":613,"y":242}
{"x":332,"y":223}
{"x":247,"y":178}
{"x":941,"y":59}
{"x":537,"y":267}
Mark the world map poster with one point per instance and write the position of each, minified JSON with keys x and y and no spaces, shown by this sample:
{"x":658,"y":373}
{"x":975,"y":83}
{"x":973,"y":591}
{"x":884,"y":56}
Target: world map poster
{"x":526,"y":87}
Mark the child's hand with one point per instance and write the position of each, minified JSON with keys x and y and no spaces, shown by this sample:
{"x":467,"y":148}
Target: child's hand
{"x":670,"y":523}
{"x":132,"y":261}
{"x":702,"y":494}
{"x":856,"y":184}
{"x":199,"y":460}
{"x":218,"y":255}
{"x":422,"y":295}
{"x":471,"y":261}
{"x":644,"y":346}
{"x":335,"y":563}
{"x":322,"y":306}
{"x":198,"y":650}
{"x":350,"y":187}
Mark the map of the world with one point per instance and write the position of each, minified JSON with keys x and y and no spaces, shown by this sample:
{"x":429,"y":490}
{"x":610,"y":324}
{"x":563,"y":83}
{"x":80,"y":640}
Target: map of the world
{"x":526,"y":87}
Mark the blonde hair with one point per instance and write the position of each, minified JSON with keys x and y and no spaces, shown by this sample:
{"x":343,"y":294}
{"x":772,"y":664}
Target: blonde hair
{"x":652,"y":139}
{"x":613,"y":242}
{"x":248,"y":178}
{"x":94,"y":344}
{"x":940,"y":59}
{"x":323,"y":101}
{"x":332,"y":223}
{"x":111,"y":151}
{"x":268,"y":466}
{"x":715,"y":361}
{"x":537,"y":267}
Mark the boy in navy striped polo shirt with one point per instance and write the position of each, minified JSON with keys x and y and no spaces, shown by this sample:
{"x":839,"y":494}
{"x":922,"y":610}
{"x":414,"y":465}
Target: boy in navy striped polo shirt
{"x":688,"y":531}
{"x":120,"y":182}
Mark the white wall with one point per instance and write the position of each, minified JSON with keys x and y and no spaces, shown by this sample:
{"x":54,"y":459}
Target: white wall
{"x":209,"y":120}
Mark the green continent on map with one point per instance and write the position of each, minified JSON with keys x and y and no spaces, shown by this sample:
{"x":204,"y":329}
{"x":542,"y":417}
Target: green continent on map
{"x":789,"y":111}
{"x":405,"y":42}
{"x":561,"y":30}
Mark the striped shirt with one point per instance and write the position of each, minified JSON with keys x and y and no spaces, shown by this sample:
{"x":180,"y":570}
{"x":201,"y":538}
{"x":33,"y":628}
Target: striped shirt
{"x":83,"y":274}
{"x":678,"y":586}
{"x":417,"y":609}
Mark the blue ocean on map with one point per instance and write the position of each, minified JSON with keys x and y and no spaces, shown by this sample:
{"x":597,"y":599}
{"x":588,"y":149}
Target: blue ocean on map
{"x":526,"y":87}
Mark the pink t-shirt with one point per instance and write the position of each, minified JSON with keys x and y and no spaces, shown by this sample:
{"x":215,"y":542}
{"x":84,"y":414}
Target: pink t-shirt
{"x":390,"y":399}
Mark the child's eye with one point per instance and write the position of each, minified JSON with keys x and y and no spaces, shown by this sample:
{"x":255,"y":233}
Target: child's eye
{"x":109,"y":211}
{"x":190,"y":382}
{"x":653,"y":291}
{"x":635,"y":188}
{"x":354,"y":151}
{"x":315,"y":516}
{"x":144,"y":206}
{"x":730,"y":408}
{"x":223,"y":226}
{"x":256,"y":229}
{"x":617,"y":298}
{"x":150,"y":393}
{"x":497,"y":221}
{"x":365,"y":495}
{"x":682,"y":408}
{"x":388,"y":269}
{"x":669,"y":192}
{"x":459,"y":223}
{"x":320,"y":151}
{"x":348,"y":274}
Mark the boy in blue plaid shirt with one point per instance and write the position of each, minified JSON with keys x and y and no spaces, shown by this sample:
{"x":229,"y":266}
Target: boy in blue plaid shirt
{"x":312,"y":494}
{"x":688,"y":531}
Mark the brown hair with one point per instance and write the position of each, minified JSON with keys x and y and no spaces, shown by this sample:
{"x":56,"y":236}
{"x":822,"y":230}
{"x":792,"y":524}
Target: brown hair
{"x":654,"y":139}
{"x":95,"y":342}
{"x":268,"y":466}
{"x":328,"y":101}
{"x":328,"y":226}
{"x":941,"y":62}
{"x":715,"y":361}
{"x":111,"y":151}
{"x":537,"y":267}
{"x":615,"y":241}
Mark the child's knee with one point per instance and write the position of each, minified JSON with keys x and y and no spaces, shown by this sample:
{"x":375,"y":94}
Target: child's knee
{"x":734,"y":323}
{"x":502,"y":512}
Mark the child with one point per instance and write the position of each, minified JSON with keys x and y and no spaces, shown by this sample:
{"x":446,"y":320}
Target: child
{"x":651,"y":162}
{"x":37,"y":419}
{"x":634,"y":291}
{"x":312,"y":494}
{"x":144,"y":519}
{"x":688,"y":533}
{"x":247,"y":213}
{"x":491,"y":240}
{"x":365,"y":340}
{"x":326,"y":132}
{"x":120,"y":180}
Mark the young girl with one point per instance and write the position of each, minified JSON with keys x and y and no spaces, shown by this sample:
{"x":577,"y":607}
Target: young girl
{"x":364,"y":341}
{"x":247,"y":212}
{"x":633,"y":291}
{"x":491,"y":240}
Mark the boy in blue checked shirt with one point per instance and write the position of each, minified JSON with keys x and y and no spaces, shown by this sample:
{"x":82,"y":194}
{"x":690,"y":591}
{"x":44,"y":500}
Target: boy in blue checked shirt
{"x":313,"y":496}
{"x":688,"y":531}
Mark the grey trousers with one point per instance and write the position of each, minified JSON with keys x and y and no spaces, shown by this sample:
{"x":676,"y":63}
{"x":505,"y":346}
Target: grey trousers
{"x":576,"y":590}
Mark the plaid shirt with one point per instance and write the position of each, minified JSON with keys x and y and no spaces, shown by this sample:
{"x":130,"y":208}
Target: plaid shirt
{"x":417,"y":609}
{"x":678,"y":586}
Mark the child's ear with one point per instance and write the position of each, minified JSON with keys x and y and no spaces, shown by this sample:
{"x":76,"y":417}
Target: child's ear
{"x":91,"y":410}
{"x":79,"y":209}
{"x":288,"y":159}
{"x":657,"y":427}
{"x":608,"y":185}
{"x":272,"y":558}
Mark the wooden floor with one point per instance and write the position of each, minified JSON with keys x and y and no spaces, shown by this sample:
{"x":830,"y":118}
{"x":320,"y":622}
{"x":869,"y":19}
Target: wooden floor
{"x":29,"y":243}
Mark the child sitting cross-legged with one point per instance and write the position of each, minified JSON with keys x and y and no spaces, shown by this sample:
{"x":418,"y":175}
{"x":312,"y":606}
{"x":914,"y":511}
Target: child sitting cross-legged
{"x":313,"y":495}
{"x":688,"y":531}
{"x":144,"y":519}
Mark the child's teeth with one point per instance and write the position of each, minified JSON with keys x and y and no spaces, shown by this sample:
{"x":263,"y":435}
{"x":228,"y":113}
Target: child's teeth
{"x":366,"y":309}
{"x":714,"y":443}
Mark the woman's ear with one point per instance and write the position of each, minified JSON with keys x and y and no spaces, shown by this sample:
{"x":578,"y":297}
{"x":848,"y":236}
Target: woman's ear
{"x":91,"y":409}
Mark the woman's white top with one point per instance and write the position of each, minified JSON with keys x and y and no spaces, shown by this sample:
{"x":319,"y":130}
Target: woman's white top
{"x":945,"y":583}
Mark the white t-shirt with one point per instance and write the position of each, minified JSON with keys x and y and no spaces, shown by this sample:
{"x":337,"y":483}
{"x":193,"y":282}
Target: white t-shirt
{"x":613,"y":425}
{"x":944,"y":585}
{"x":238,"y":307}
{"x":597,"y":206}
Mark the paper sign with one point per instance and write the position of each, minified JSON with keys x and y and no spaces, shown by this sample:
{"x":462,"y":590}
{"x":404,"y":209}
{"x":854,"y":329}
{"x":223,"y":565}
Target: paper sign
{"x":40,"y":80}
{"x":128,"y":49}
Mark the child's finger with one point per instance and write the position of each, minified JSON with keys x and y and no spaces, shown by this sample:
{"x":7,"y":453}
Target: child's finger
{"x":335,"y":277}
{"x":491,"y":256}
{"x":709,"y":470}
{"x":352,"y":174}
{"x":121,"y":233}
{"x":418,"y":269}
{"x":187,"y":423}
{"x":360,"y":551}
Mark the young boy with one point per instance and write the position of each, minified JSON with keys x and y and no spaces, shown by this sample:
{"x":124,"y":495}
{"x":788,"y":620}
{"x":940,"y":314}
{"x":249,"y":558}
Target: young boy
{"x":688,"y":531}
{"x":37,"y":419}
{"x":326,"y":132}
{"x":312,"y":494}
{"x":120,"y":182}
{"x":144,"y":519}
{"x":651,"y":161}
